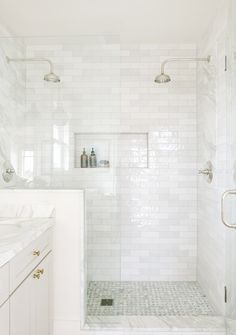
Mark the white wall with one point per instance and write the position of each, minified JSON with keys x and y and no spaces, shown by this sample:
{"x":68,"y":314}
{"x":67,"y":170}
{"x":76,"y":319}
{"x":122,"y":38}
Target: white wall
{"x":141,"y":221}
{"x":212,"y":145}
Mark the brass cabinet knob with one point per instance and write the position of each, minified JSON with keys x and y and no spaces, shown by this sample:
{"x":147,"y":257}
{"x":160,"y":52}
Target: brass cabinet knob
{"x":36,"y":253}
{"x":36,"y":275}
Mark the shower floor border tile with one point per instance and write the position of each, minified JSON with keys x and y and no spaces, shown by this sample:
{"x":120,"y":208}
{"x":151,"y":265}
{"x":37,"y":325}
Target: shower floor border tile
{"x":191,"y":324}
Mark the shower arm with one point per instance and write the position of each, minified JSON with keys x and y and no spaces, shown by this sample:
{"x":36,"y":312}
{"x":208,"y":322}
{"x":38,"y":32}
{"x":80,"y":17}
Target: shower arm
{"x":31,"y":60}
{"x":206,"y":59}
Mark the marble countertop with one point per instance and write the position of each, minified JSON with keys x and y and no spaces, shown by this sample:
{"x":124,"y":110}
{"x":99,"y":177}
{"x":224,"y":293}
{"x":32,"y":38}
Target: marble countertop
{"x":31,"y":229}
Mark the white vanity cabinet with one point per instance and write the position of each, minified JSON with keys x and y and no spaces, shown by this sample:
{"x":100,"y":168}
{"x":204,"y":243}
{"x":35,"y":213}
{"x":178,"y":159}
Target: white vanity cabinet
{"x":29,"y":304}
{"x":41,"y":298}
{"x":20,"y":309}
{"x":4,"y":303}
{"x":25,"y":288}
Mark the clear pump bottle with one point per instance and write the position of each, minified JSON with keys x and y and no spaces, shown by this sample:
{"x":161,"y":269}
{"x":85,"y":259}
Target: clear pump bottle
{"x":84,"y":159}
{"x":93,"y":159}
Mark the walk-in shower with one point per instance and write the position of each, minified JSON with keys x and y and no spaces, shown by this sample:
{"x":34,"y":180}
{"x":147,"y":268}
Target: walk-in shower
{"x":153,"y":245}
{"x":165,"y":78}
{"x":51,"y":76}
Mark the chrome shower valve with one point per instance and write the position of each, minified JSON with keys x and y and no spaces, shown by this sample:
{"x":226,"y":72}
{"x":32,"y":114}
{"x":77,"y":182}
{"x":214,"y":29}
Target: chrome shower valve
{"x":8,"y":171}
{"x":207,"y":172}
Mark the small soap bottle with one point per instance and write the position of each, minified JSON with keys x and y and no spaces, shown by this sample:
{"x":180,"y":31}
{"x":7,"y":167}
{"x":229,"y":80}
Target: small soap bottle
{"x":92,"y":159}
{"x":84,"y":159}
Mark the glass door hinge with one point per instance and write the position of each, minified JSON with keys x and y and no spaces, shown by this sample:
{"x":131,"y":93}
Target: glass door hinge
{"x":226,"y":63}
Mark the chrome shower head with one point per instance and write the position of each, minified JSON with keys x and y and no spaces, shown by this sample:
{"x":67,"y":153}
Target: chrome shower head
{"x":162,"y":78}
{"x":52,"y":77}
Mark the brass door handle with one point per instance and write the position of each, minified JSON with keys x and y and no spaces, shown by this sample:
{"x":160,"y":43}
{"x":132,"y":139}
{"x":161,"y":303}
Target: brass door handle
{"x":36,"y":253}
{"x":224,"y":195}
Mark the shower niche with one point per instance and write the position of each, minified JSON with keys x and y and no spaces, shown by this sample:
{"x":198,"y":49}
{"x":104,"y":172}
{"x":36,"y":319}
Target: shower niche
{"x":121,"y":150}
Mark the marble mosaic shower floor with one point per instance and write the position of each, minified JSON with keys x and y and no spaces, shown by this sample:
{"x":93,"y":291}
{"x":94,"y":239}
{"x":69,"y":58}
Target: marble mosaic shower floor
{"x":148,"y":299}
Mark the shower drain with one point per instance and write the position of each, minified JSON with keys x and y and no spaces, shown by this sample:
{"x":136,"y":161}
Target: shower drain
{"x":106,"y":302}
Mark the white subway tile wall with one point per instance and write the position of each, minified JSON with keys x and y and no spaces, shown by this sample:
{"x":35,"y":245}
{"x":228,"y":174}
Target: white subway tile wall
{"x":141,"y":222}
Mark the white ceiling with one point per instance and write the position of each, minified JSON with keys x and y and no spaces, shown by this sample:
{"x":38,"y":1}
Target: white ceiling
{"x":147,"y":21}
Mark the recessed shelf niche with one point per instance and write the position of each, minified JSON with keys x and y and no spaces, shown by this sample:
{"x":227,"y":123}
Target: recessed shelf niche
{"x":122,"y":150}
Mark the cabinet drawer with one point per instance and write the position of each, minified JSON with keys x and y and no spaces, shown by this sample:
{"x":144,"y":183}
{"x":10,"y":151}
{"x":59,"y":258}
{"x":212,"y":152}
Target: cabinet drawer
{"x":28,"y":259}
{"x":4,"y":283}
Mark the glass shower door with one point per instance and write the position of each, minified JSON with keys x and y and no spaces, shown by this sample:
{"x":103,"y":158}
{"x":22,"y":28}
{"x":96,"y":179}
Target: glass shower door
{"x":228,"y":206}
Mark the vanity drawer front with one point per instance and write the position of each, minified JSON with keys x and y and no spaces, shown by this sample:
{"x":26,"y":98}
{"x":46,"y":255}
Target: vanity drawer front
{"x":4,"y":283}
{"x":28,"y":259}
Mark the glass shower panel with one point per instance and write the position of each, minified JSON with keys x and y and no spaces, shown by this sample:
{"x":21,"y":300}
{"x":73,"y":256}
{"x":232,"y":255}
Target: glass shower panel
{"x":98,"y":90}
{"x":121,"y":157}
{"x":12,"y":111}
{"x":230,"y":201}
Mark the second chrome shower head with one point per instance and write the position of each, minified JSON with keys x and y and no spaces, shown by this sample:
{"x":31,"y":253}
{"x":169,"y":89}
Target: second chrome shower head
{"x":163,"y":78}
